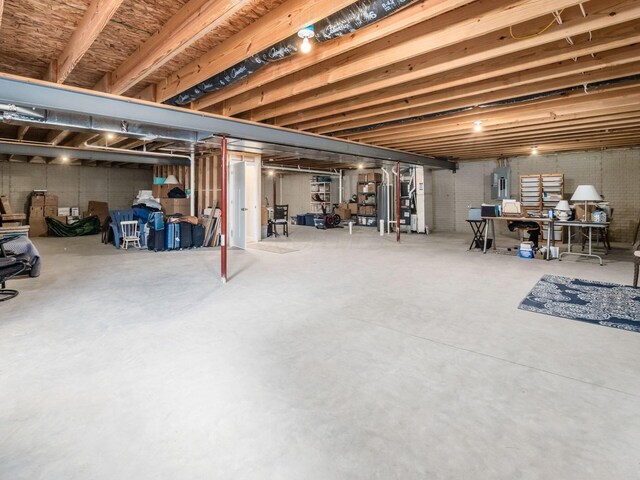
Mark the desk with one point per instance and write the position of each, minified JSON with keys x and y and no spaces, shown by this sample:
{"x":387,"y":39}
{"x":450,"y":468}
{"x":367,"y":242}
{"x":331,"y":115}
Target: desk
{"x":590,"y":226}
{"x":540,"y":220}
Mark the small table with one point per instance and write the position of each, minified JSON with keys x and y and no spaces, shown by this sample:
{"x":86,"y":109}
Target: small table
{"x":590,"y":226}
{"x":477,"y":226}
{"x":540,"y":220}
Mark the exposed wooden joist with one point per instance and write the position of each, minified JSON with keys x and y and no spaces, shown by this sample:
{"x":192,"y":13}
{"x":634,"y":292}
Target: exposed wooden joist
{"x":1,"y":10}
{"x":544,"y":59}
{"x":95,"y":19}
{"x":575,"y":102}
{"x":470,"y":22}
{"x":485,"y":58}
{"x":399,"y":21}
{"x":510,"y":131}
{"x":193,"y":21}
{"x":486,"y":92}
{"x":276,"y":25}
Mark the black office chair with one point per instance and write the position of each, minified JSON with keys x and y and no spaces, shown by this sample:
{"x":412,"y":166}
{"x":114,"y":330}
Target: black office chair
{"x":281,"y":217}
{"x":9,"y":267}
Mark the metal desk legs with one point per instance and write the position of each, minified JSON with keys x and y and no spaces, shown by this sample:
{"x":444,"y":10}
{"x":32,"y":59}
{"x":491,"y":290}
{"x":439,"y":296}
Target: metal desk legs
{"x":581,"y":254}
{"x":493,"y":235}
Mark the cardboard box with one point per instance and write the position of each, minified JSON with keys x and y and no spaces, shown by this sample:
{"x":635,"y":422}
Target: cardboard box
{"x":175,"y":205}
{"x":38,"y":227}
{"x":362,"y":198}
{"x":99,"y":209}
{"x":36,"y":212}
{"x":374,"y":177}
{"x":353,"y":208}
{"x":580,"y":211}
{"x":343,"y":211}
{"x":264,"y":216}
{"x":60,"y":218}
{"x":162,"y":191}
{"x":37,"y":200}
{"x":371,"y":210}
{"x":362,"y":210}
{"x":5,"y":205}
{"x":50,"y":200}
{"x":371,"y":187}
{"x":50,"y":211}
{"x":362,"y":177}
{"x":64,"y":212}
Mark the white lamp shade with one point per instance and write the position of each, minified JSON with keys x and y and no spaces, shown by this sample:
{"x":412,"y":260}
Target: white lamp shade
{"x":171,"y":179}
{"x":586,"y":193}
{"x":563,"y":205}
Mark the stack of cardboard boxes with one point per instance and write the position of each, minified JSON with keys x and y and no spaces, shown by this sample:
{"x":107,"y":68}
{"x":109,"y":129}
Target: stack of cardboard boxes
{"x":42,"y":206}
{"x":171,"y":206}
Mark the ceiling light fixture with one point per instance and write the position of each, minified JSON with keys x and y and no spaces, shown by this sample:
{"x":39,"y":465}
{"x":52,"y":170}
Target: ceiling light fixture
{"x":360,"y":166}
{"x":478,"y":125}
{"x":305,"y":34}
{"x":534,"y":150}
{"x":65,"y":159}
{"x":271,"y":173}
{"x":110,"y":136}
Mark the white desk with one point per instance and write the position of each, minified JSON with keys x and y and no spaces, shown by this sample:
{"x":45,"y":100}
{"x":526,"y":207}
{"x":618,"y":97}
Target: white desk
{"x":590,"y":226}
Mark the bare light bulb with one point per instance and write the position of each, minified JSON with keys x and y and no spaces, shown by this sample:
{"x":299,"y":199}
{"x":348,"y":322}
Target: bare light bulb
{"x":360,"y":166}
{"x":271,"y":173}
{"x":534,"y":150}
{"x":65,"y":159}
{"x":306,"y":45}
{"x":478,"y":126}
{"x":110,"y":136}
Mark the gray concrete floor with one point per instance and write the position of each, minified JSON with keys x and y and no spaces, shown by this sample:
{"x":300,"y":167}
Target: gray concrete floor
{"x":326,"y":356}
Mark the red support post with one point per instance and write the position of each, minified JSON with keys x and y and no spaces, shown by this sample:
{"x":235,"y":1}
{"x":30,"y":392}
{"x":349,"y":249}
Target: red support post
{"x":223,"y":208}
{"x":398,"y":202}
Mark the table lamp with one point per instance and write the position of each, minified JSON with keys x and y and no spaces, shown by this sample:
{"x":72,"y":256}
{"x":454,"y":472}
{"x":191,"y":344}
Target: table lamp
{"x":563,"y":210}
{"x":586,"y":193}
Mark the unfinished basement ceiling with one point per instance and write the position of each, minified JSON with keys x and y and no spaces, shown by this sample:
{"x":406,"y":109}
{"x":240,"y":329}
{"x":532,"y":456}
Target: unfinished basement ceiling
{"x":561,"y":75}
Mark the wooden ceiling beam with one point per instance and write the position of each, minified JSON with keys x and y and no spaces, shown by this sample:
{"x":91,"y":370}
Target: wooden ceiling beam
{"x":469,"y":22}
{"x":273,"y":27}
{"x":397,"y":22}
{"x":545,"y":56}
{"x":499,"y":131}
{"x":574,"y":102}
{"x":489,"y":91}
{"x":193,"y":21}
{"x":468,"y":52}
{"x":537,"y":138}
{"x":453,"y":127}
{"x":98,"y":14}
{"x":549,"y":148}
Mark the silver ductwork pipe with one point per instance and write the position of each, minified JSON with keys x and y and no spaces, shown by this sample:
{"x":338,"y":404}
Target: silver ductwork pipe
{"x":34,"y":149}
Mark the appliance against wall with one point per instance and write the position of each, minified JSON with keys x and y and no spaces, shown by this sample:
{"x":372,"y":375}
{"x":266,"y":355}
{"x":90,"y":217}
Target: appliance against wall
{"x":500,"y":183}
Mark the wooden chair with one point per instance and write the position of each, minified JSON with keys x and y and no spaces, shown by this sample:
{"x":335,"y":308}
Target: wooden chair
{"x":281,"y":217}
{"x":130,"y":234}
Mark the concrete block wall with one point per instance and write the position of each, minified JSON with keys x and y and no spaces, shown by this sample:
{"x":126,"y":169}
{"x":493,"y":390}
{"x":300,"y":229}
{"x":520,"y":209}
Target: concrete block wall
{"x":74,"y":185}
{"x":614,"y":173}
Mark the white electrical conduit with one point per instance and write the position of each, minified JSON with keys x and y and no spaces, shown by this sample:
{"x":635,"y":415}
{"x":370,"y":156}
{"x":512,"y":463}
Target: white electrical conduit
{"x":299,"y":170}
{"x":145,"y":153}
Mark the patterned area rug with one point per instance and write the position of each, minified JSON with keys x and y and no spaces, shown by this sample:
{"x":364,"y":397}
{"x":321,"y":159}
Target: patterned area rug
{"x":607,"y":304}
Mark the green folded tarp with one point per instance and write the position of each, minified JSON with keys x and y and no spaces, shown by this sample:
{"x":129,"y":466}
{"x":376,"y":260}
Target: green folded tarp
{"x":84,"y":226}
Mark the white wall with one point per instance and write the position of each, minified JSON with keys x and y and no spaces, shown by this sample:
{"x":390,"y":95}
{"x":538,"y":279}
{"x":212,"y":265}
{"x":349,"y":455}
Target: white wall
{"x":293,"y":189}
{"x":615,"y":174}
{"x":74,"y":185}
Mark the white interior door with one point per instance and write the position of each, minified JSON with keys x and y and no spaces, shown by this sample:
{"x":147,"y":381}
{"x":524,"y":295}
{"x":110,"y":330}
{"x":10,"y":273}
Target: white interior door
{"x":237,"y":206}
{"x":253,"y":198}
